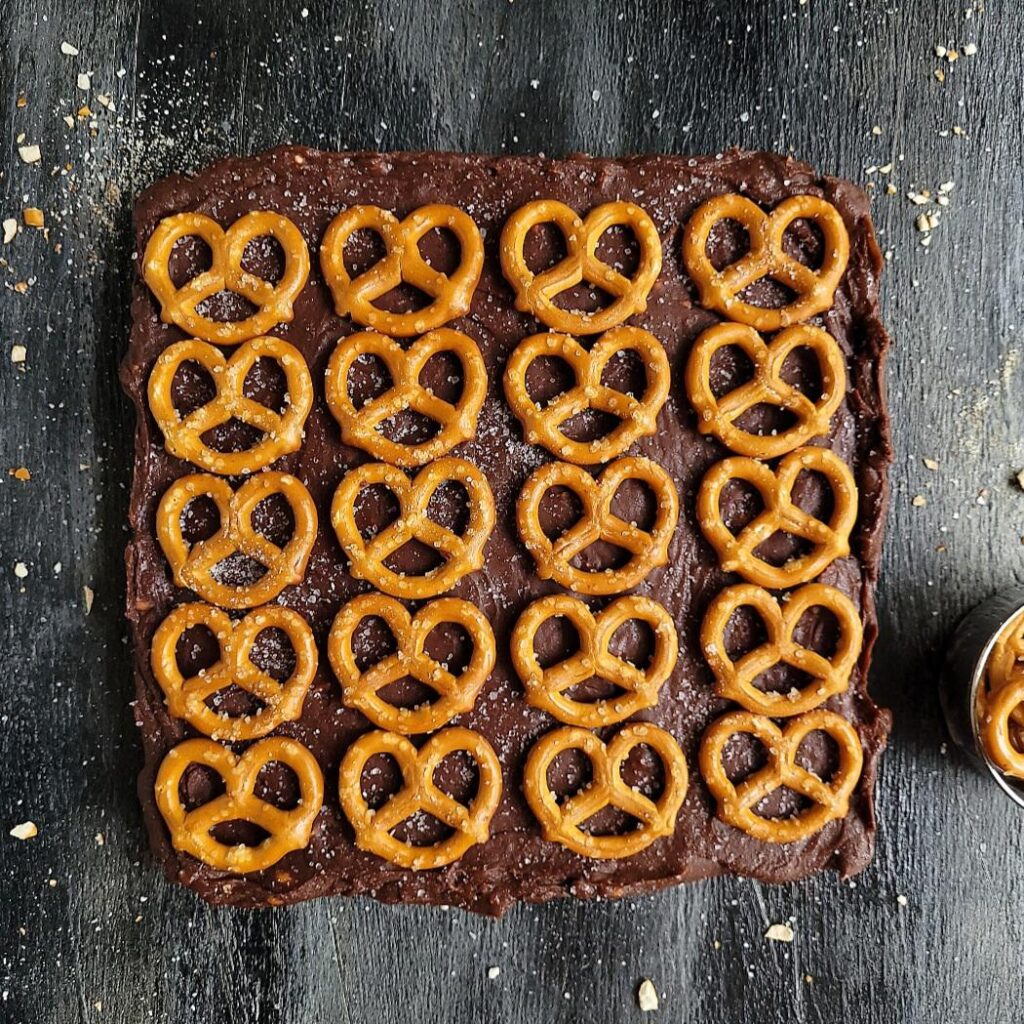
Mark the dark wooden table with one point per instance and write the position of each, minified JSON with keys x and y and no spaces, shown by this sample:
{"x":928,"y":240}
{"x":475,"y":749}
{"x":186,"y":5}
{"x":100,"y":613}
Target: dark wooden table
{"x":89,"y":930}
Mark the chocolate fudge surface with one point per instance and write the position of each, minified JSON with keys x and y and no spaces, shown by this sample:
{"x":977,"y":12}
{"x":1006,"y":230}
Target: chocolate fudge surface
{"x":310,"y":188}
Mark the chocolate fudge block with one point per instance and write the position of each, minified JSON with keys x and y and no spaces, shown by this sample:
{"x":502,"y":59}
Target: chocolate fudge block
{"x":515,"y":863}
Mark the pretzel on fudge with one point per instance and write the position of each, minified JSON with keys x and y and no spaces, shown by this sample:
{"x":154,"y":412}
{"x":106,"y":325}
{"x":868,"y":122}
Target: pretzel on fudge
{"x":403,"y":263}
{"x":192,"y":829}
{"x":721,"y":289}
{"x":637,"y":416}
{"x":564,"y":822}
{"x":273,"y":300}
{"x":536,"y":293}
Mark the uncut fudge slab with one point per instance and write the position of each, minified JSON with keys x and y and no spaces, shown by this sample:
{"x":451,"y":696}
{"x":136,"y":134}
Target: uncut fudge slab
{"x":310,"y":188}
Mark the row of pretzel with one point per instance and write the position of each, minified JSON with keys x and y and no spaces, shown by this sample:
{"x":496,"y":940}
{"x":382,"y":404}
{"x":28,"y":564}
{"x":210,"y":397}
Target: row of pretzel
{"x":746,"y":804}
{"x":193,"y":564}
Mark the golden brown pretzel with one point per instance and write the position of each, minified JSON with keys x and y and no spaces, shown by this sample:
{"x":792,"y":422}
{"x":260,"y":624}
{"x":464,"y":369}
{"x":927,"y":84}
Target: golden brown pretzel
{"x":737,"y":804}
{"x":721,"y":289}
{"x":455,"y":693}
{"x":735,"y":680}
{"x":1001,"y":733}
{"x":563,"y":823}
{"x":1006,"y":662}
{"x":737,"y":553}
{"x":718,"y":415}
{"x":273,"y":301}
{"x":281,"y":700}
{"x":191,"y":830}
{"x":536,"y":293}
{"x":548,"y":688}
{"x":403,"y":263}
{"x":462,"y":554}
{"x":360,"y":426}
{"x":282,"y":432}
{"x":193,"y":565}
{"x":554,"y":557}
{"x":637,"y":416}
{"x":470,"y":823}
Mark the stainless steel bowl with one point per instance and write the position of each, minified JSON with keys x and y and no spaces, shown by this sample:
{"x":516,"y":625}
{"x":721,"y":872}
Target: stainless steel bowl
{"x":964,"y":673}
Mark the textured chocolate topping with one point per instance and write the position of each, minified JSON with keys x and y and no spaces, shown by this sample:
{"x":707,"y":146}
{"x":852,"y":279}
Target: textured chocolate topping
{"x":310,"y":188}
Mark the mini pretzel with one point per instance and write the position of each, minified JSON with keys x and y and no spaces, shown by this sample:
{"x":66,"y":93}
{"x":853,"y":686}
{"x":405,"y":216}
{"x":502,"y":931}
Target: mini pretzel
{"x":1001,"y":733}
{"x":563,"y":823}
{"x":637,"y":416}
{"x":420,"y":794}
{"x":737,"y":804}
{"x":187,"y":698}
{"x":462,"y":554}
{"x":361,"y":426}
{"x":735,"y":680}
{"x":598,"y":523}
{"x":737,"y":553}
{"x":282,"y":433}
{"x":193,"y":565}
{"x":273,"y":302}
{"x":1006,"y":662}
{"x":766,"y":257}
{"x":403,"y":263}
{"x":191,"y":830}
{"x":548,"y":688}
{"x":536,"y":293}
{"x":718,"y":415}
{"x":455,"y":693}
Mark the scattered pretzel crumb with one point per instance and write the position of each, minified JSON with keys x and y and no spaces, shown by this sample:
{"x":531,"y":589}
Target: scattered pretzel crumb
{"x":10,"y":230}
{"x":493,"y":972}
{"x":88,"y":596}
{"x":26,"y":830}
{"x":68,"y":50}
{"x":930,"y":464}
{"x":901,"y":900}
{"x":30,"y":154}
{"x":18,"y":353}
{"x":919,"y":501}
{"x":33,"y":217}
{"x":20,"y":473}
{"x":20,"y":570}
{"x":780,"y":933}
{"x":647,"y":996}
{"x":83,"y":81}
{"x":1020,"y":479}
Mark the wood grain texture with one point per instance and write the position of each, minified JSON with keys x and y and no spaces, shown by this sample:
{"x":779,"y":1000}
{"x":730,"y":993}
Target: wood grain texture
{"x":110,"y":940}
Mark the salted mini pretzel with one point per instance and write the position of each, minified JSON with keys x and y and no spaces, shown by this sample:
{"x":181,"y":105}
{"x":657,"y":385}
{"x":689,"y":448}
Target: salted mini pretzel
{"x":361,"y":426}
{"x":462,"y":554}
{"x":361,"y":689}
{"x":553,"y":558}
{"x":282,"y":432}
{"x":737,"y":804}
{"x":536,"y":293}
{"x":403,"y":263}
{"x":830,"y":540}
{"x":193,"y":565}
{"x":281,"y":700}
{"x":1001,"y":733}
{"x":720,"y":289}
{"x":1006,"y":663}
{"x":273,"y":302}
{"x":735,"y":680}
{"x":470,"y":823}
{"x":637,"y":416}
{"x":548,"y":688}
{"x":563,"y":822}
{"x":718,"y":415}
{"x":191,"y":830}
